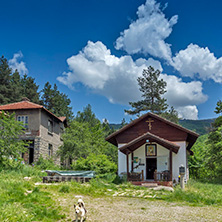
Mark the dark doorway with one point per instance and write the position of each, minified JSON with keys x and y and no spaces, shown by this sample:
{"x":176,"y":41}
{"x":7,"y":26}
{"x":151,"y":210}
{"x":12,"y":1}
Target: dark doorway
{"x":150,"y":168}
{"x":31,"y":155}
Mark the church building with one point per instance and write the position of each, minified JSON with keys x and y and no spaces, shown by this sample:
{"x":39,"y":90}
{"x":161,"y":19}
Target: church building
{"x":152,"y":148}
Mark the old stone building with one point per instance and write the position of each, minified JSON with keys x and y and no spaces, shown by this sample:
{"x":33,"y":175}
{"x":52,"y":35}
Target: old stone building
{"x":42,"y":129}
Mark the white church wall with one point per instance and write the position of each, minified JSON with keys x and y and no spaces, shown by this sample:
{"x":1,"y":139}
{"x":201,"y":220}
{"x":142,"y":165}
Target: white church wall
{"x":140,"y":153}
{"x":121,"y":161}
{"x":162,"y":158}
{"x":179,"y":159}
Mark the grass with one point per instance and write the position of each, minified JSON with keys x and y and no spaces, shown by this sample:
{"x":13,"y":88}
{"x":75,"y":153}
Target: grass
{"x":22,"y":200}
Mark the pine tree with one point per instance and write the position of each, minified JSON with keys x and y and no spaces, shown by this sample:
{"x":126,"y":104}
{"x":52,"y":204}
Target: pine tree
{"x":56,"y":102}
{"x":152,"y":89}
{"x":30,"y":89}
{"x":5,"y":80}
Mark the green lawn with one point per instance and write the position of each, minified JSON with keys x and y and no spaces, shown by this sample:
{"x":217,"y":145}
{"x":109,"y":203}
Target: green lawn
{"x":22,"y":200}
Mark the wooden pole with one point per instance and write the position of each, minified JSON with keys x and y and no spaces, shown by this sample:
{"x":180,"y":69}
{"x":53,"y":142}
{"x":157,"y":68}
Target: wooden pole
{"x":171,"y":165}
{"x":132,"y":161}
{"x":127,"y":166}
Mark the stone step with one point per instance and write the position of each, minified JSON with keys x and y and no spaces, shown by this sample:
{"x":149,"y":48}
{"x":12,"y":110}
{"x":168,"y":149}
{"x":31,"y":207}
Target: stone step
{"x":149,"y":184}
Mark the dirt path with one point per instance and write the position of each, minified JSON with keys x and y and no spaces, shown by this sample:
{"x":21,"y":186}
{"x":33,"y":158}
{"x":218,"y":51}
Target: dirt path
{"x":118,"y":209}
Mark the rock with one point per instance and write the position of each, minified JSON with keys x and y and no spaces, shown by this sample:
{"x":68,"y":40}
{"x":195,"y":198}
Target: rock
{"x":164,"y":188}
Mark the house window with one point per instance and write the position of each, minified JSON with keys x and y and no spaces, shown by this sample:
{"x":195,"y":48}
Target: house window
{"x":24,"y":120}
{"x":50,"y":150}
{"x":50,"y":126}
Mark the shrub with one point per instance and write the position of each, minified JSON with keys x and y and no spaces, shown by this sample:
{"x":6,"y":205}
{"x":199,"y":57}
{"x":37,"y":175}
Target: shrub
{"x":98,"y":163}
{"x":44,"y":164}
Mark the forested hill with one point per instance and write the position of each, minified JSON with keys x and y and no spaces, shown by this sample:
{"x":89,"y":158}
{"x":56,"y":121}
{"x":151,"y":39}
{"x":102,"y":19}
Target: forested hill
{"x":199,"y":126}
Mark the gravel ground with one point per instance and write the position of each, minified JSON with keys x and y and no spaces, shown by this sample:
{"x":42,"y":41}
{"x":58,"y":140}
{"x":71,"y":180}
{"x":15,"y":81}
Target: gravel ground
{"x":118,"y":209}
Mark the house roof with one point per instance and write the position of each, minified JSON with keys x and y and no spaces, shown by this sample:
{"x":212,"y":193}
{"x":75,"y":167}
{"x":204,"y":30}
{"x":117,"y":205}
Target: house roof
{"x":28,"y":105}
{"x":191,"y":136}
{"x":109,"y":138}
{"x":136,"y":143}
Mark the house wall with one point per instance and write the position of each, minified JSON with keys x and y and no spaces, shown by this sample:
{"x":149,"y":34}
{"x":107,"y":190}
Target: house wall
{"x":47,"y":137}
{"x":33,"y":121}
{"x":38,"y":131}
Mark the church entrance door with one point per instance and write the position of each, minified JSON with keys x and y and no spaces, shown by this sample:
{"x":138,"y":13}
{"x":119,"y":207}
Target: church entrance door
{"x":151,"y":166}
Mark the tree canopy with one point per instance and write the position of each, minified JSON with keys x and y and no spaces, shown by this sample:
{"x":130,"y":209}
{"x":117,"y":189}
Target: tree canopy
{"x":86,"y":135}
{"x":56,"y":102}
{"x":153,"y":88}
{"x":11,"y":146}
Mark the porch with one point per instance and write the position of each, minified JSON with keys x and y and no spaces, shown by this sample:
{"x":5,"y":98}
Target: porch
{"x":160,"y":178}
{"x":149,"y":159}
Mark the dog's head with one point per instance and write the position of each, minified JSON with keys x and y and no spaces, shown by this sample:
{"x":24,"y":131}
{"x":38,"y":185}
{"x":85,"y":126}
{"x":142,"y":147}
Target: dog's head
{"x":78,"y":207}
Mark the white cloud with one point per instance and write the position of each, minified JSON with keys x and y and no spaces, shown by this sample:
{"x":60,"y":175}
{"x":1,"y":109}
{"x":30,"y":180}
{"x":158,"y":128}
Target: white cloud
{"x":148,"y":33}
{"x":180,"y":93}
{"x":106,"y":74}
{"x":116,"y":78}
{"x":200,"y":62}
{"x":188,"y":112}
{"x":15,"y":64}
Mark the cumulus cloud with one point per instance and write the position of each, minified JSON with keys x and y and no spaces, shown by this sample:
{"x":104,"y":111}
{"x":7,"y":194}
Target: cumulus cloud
{"x":200,"y":62}
{"x":184,"y":96}
{"x":148,"y":33}
{"x":188,"y":112}
{"x":15,"y":63}
{"x":116,"y":78}
{"x":181,"y":93}
{"x":106,"y":74}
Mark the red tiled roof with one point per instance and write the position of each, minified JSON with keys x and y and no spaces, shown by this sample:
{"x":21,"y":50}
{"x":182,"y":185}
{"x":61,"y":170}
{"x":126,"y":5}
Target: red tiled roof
{"x":28,"y":105}
{"x":20,"y":105}
{"x":62,"y":118}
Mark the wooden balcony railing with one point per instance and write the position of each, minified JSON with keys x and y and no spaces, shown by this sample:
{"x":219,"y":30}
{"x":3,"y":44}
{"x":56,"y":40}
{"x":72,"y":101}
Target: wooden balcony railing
{"x":162,"y":176}
{"x":136,"y":176}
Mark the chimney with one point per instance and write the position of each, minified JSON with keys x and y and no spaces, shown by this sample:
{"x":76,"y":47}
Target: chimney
{"x":25,"y":99}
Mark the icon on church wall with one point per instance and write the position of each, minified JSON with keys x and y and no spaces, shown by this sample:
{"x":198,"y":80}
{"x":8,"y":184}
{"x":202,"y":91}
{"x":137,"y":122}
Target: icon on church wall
{"x":150,"y":149}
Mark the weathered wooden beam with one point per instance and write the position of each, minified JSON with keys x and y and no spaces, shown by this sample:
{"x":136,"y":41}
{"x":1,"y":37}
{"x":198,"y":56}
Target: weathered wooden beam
{"x":171,"y":165}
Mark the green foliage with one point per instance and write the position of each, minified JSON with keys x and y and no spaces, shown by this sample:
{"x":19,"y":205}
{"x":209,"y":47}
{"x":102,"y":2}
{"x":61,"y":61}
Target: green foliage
{"x":46,"y":164}
{"x":218,"y":108}
{"x":56,"y":102}
{"x":152,"y":89}
{"x":87,"y":116}
{"x":200,"y":126}
{"x":197,"y":162}
{"x":171,"y":115}
{"x":98,"y":163}
{"x":11,"y":146}
{"x":86,"y":135}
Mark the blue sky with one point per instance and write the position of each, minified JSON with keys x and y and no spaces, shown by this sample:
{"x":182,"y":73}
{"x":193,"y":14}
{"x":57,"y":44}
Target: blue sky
{"x":94,"y":50}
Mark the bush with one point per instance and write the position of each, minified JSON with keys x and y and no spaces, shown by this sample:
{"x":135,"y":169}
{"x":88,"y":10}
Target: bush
{"x":98,"y":163}
{"x":44,"y":164}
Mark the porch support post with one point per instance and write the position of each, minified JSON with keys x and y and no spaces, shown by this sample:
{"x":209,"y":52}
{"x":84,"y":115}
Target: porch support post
{"x":171,"y":165}
{"x":132,"y":161}
{"x":127,"y":165}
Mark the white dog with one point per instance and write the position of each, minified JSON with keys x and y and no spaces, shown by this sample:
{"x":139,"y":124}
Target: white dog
{"x":80,"y":210}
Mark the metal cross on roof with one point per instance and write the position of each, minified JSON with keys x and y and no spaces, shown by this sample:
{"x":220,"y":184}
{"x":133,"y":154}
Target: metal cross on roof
{"x":149,"y":121}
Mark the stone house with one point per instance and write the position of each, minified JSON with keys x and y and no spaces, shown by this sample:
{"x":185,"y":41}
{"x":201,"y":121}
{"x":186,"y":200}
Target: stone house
{"x":43,"y":129}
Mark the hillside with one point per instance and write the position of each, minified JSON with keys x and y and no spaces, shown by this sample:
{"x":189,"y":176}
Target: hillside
{"x":199,"y":126}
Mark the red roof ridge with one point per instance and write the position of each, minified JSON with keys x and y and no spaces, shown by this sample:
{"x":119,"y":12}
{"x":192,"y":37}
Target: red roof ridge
{"x":21,"y":105}
{"x":28,"y":105}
